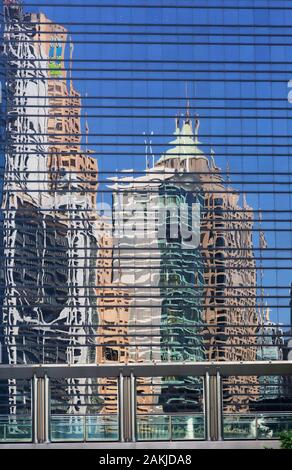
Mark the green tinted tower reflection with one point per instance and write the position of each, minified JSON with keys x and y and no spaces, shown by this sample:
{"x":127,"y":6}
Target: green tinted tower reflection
{"x":182,"y":268}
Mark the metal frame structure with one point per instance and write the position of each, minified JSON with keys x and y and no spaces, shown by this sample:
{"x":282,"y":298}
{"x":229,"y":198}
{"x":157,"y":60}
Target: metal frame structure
{"x":126,"y":374}
{"x":151,"y":369}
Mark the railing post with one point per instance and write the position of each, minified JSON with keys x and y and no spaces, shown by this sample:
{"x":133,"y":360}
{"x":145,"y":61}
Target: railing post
{"x":133,"y":407}
{"x":219,"y":406}
{"x":34,"y":402}
{"x":46,"y":409}
{"x":213,"y":406}
{"x":127,"y":407}
{"x":121,"y":406}
{"x":40,"y":409}
{"x":207,"y":405}
{"x":85,"y":430}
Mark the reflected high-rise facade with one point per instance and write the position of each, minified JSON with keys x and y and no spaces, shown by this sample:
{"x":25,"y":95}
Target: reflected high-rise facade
{"x":76,"y":289}
{"x":229,"y":269}
{"x":183,"y":304}
{"x":113,"y":300}
{"x":73,"y":186}
{"x":3,"y":136}
{"x":25,"y":189}
{"x":270,"y":348}
{"x":48,"y":202}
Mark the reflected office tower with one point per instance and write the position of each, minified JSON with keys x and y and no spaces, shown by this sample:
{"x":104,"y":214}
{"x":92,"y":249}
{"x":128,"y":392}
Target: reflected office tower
{"x":174,"y":288}
{"x":4,"y":399}
{"x":165,"y":274}
{"x":25,"y":189}
{"x":2,"y":163}
{"x":49,"y":239}
{"x":287,"y":353}
{"x":73,"y":182}
{"x":228,"y":259}
{"x":270,"y":348}
{"x":113,"y":300}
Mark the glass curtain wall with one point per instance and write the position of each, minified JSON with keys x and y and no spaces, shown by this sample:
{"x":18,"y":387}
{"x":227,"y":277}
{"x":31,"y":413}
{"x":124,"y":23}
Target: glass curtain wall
{"x":145,"y":189}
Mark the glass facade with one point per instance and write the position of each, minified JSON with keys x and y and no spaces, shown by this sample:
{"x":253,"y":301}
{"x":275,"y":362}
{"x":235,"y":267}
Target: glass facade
{"x":2,"y":159}
{"x":146,"y":208}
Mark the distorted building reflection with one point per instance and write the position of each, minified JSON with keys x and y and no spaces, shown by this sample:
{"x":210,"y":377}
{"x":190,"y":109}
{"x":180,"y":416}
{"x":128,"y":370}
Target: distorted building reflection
{"x":77,"y":287}
{"x":49,"y":200}
{"x":184,"y":304}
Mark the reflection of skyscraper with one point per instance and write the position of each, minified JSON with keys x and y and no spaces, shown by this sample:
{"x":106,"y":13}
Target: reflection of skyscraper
{"x":49,"y":196}
{"x":113,"y":315}
{"x":3,"y":137}
{"x":270,"y":344}
{"x":229,"y":265}
{"x":166,"y":278}
{"x":24,"y":188}
{"x":157,"y":269}
{"x":112,"y":302}
{"x":290,"y":319}
{"x":73,"y":175}
{"x":287,"y":354}
{"x":2,"y":162}
{"x":176,"y":289}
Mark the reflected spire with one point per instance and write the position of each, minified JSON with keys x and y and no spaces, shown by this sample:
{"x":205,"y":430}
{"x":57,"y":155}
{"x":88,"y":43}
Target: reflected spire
{"x":197,"y":125}
{"x":87,"y":132}
{"x":213,"y":164}
{"x":187,"y":106}
{"x":244,"y":201}
{"x":151,"y":150}
{"x":177,"y":122}
{"x":146,"y":151}
{"x":228,"y":172}
{"x":267,"y":313}
{"x":263,"y":245}
{"x":71,"y":61}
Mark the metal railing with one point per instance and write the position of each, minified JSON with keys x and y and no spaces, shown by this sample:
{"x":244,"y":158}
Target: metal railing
{"x":171,"y":427}
{"x":128,"y":425}
{"x":255,"y":426}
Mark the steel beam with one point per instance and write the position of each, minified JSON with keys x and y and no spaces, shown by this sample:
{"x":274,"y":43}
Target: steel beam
{"x":158,"y":369}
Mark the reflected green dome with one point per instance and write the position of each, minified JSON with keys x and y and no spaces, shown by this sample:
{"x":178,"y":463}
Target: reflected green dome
{"x":185,"y":144}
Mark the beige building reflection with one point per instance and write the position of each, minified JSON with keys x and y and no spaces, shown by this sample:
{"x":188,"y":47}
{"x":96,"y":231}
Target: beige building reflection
{"x":229,"y":294}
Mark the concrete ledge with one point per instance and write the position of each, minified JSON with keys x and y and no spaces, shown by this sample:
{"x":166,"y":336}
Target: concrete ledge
{"x":151,"y":445}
